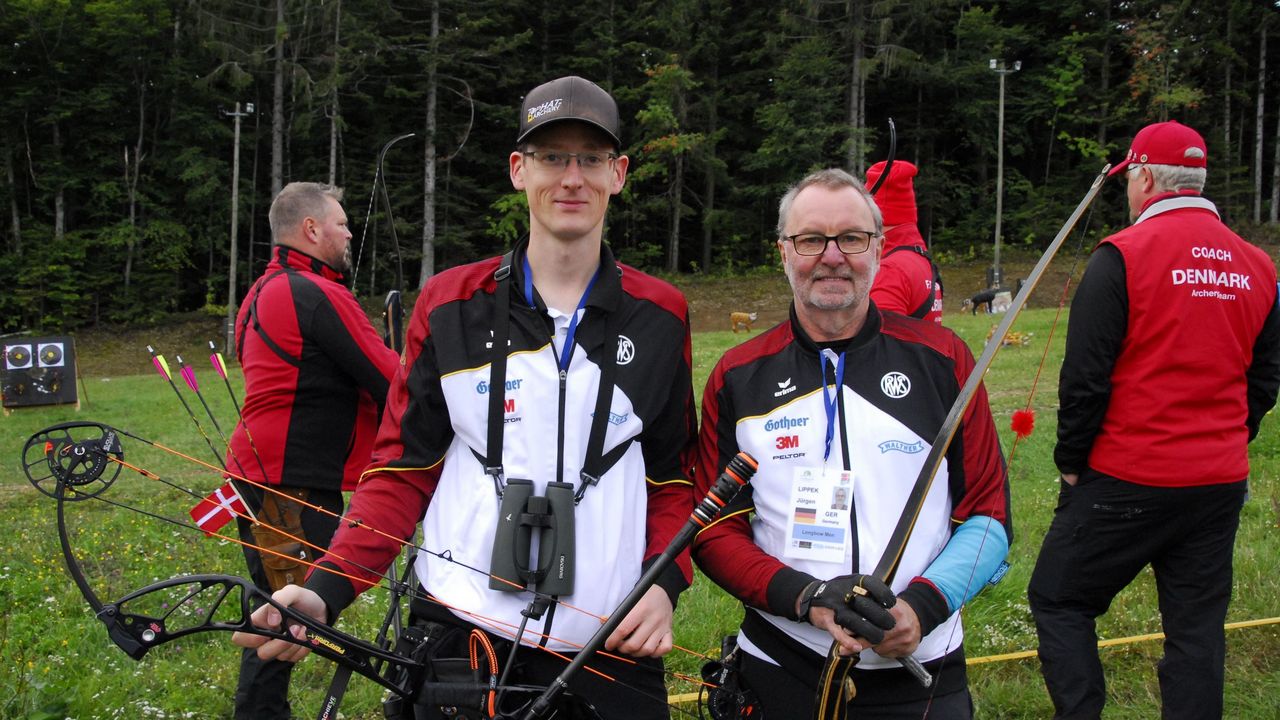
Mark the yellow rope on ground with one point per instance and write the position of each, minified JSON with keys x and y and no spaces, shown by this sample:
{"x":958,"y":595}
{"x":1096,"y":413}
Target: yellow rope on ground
{"x":1024,"y":654}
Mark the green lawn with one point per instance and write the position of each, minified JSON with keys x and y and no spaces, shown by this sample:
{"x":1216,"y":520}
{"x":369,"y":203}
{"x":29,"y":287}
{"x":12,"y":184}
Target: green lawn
{"x":61,"y":664}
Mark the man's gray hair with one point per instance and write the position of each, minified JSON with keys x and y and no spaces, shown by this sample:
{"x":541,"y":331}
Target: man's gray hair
{"x":297,"y":201}
{"x":1172,"y":178}
{"x":832,"y":179}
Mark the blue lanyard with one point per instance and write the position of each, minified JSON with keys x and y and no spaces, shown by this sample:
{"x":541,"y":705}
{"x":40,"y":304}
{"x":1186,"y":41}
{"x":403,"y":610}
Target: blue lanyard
{"x":566,"y":352}
{"x":831,"y":400}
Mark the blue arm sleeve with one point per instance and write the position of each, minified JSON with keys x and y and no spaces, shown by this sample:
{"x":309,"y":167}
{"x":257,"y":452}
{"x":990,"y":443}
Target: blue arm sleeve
{"x":963,"y":567}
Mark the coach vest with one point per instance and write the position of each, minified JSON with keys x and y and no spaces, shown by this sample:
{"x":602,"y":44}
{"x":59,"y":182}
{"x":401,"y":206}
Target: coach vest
{"x":1198,"y":295}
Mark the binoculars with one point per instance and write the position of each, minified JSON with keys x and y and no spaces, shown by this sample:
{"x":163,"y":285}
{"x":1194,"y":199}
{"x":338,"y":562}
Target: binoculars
{"x":522,"y":514}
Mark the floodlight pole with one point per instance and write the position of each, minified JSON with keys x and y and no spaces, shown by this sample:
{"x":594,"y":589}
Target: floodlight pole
{"x":235,"y":213}
{"x":998,"y":66}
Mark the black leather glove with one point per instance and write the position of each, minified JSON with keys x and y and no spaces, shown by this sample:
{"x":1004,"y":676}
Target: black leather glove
{"x":861,"y":604}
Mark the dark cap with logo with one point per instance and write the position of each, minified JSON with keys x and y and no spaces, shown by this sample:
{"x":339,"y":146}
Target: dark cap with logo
{"x":569,"y":98}
{"x":1165,"y":143}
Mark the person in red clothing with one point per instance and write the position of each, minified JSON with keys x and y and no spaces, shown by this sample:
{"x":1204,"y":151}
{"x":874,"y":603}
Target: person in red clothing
{"x":907,"y":282}
{"x":1172,"y":360}
{"x":316,"y":377}
{"x":552,"y":373}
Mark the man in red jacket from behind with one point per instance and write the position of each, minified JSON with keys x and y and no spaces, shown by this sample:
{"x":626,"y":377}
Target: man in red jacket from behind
{"x":1172,"y":360}
{"x":908,"y":281}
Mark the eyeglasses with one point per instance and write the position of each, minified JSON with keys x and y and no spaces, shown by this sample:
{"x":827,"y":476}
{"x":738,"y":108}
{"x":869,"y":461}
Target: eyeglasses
{"x":1131,"y":168}
{"x":850,"y":242}
{"x":557,"y":160}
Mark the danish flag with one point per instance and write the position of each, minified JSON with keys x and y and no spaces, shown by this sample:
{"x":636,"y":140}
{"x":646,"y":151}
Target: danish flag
{"x":220,"y":508}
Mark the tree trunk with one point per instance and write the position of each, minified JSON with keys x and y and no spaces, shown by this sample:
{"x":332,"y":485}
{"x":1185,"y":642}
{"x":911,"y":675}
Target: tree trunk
{"x":1226,"y":129}
{"x":1275,"y":178}
{"x":855,"y":155}
{"x":277,"y":105}
{"x":335,"y":113}
{"x":253,"y":186}
{"x":1258,"y":127}
{"x":13,"y":201}
{"x":132,"y":171}
{"x":673,"y":239}
{"x":709,"y":195}
{"x":1104,"y":81}
{"x":429,"y":157}
{"x":59,"y":199}
{"x":677,"y":185}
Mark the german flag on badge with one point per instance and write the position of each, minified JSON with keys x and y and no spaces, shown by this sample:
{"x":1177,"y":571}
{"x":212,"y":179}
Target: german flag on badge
{"x":807,"y":516}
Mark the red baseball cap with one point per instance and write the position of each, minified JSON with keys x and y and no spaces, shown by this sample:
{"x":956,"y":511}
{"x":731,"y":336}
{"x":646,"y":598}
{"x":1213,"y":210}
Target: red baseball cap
{"x":1166,"y":143}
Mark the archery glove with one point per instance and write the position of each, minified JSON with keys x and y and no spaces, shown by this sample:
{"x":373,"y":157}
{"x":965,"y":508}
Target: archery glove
{"x":861,"y":604}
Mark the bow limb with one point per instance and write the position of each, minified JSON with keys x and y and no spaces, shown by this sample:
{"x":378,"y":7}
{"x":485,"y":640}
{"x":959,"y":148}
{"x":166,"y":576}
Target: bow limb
{"x":137,"y":633}
{"x":834,"y":687}
{"x":888,"y":163}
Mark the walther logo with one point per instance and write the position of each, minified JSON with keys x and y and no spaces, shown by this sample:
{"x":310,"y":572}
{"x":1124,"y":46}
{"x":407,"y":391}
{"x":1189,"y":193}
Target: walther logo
{"x":326,"y":642}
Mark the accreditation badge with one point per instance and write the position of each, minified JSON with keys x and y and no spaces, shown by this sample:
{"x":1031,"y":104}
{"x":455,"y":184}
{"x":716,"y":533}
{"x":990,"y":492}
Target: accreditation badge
{"x":819,"y":527}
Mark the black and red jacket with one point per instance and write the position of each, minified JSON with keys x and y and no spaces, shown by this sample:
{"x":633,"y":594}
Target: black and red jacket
{"x":316,"y":376}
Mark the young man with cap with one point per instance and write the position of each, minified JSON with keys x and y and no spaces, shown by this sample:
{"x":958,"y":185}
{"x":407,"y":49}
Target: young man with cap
{"x":908,"y":282}
{"x":1172,"y":360}
{"x":551,"y":372}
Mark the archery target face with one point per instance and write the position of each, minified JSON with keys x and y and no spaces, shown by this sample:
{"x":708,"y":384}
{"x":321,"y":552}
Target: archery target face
{"x":17,"y":357}
{"x":51,"y":355}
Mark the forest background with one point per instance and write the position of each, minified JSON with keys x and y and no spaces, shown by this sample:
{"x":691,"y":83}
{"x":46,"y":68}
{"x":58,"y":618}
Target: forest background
{"x":117,"y":126}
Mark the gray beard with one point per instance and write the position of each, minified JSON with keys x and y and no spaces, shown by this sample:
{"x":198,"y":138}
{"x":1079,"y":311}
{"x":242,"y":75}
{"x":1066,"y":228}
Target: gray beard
{"x":345,"y":266}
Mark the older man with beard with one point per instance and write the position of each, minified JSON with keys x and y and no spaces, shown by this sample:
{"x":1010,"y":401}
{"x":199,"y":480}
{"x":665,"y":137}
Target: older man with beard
{"x":843,"y":396}
{"x":316,"y":377}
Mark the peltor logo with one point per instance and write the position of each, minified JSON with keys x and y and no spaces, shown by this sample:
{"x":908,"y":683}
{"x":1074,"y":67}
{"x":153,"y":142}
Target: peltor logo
{"x":895,"y":385}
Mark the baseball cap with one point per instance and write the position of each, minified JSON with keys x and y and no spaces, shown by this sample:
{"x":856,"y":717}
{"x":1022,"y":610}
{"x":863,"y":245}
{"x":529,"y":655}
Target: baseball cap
{"x":896,"y":198}
{"x":569,"y":98}
{"x":1165,"y":143}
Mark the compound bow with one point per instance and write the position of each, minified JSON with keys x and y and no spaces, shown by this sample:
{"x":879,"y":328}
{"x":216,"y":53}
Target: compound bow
{"x":77,"y":461}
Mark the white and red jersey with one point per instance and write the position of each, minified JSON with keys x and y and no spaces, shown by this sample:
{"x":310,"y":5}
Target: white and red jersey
{"x":766,"y":397}
{"x":428,"y":463}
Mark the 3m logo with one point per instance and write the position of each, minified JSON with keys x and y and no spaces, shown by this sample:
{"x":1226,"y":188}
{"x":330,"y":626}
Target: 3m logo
{"x":895,"y":385}
{"x":509,"y":405}
{"x":786,"y":442}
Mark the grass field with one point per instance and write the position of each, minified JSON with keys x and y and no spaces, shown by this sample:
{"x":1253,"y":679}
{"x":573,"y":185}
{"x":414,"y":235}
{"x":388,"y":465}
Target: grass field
{"x":59,"y":662}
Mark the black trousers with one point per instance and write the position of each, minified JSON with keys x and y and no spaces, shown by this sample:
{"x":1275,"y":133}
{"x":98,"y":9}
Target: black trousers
{"x":263,"y":690}
{"x":783,"y":696}
{"x":1105,"y":531}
